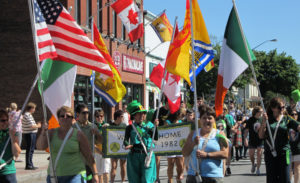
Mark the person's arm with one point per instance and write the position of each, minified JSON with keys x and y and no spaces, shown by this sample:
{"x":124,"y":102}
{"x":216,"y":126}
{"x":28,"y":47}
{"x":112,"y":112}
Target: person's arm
{"x":87,"y":154}
{"x":16,"y":150}
{"x":126,"y":141}
{"x":222,"y":154}
{"x":96,"y":132}
{"x":42,"y":142}
{"x":262,"y":129}
{"x":190,"y":144}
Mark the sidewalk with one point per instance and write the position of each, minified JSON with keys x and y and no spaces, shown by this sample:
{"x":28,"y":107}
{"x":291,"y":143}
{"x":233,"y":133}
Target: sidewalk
{"x":27,"y":176}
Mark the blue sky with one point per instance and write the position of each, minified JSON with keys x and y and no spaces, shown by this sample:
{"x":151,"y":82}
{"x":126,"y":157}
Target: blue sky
{"x":261,"y":20}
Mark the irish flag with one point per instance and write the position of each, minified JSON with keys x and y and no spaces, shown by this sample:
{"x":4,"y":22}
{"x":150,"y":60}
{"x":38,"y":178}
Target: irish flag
{"x":59,"y":78}
{"x":233,"y":59}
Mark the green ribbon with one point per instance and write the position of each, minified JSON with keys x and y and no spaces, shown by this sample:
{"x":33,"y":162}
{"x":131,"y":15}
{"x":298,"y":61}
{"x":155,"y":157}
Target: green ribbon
{"x":89,"y":177}
{"x":288,"y":157}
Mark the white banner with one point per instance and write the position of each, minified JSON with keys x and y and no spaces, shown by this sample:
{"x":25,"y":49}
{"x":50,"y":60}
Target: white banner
{"x":170,"y":142}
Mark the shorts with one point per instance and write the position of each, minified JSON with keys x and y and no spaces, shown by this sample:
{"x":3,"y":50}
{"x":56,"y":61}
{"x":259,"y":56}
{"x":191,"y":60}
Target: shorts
{"x":251,"y":146}
{"x":103,"y":164}
{"x":296,"y":158}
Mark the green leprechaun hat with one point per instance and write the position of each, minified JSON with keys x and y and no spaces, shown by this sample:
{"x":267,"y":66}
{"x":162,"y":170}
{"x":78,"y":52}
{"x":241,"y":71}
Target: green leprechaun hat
{"x":135,"y":107}
{"x":296,"y":95}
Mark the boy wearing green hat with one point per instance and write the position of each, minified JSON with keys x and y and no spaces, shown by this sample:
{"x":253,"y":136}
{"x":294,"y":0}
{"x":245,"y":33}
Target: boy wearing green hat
{"x":138,"y":138}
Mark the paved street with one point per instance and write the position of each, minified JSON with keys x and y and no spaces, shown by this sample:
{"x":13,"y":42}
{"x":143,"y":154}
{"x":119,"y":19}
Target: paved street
{"x":240,"y":171}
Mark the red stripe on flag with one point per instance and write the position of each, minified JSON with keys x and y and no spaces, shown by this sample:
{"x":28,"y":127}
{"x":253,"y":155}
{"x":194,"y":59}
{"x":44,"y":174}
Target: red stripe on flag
{"x":220,"y":96}
{"x":81,"y":63}
{"x":72,"y":40}
{"x":136,"y":33}
{"x":92,"y":57}
{"x":45,"y":43}
{"x":46,"y":55}
{"x":41,"y":32}
{"x":69,"y":28}
{"x":66,"y":16}
{"x":120,"y":5}
{"x":174,"y":106}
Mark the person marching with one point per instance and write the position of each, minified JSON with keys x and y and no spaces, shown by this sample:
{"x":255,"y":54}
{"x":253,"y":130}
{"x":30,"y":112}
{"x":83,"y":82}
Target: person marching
{"x":8,"y":150}
{"x":138,"y":138}
{"x":277,"y":159}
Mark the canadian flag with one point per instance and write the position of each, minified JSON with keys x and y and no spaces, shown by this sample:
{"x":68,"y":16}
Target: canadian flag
{"x":131,"y":16}
{"x":171,"y":88}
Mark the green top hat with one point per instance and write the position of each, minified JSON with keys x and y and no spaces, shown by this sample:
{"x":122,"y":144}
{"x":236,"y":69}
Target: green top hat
{"x":135,"y":107}
{"x":296,"y":95}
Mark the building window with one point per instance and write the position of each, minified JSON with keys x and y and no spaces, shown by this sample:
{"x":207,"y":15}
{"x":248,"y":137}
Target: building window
{"x":88,"y":13}
{"x":123,"y":32}
{"x":78,"y":12}
{"x":151,"y":66}
{"x":114,"y":23}
{"x":99,"y":15}
{"x":83,"y":94}
{"x":134,"y":92}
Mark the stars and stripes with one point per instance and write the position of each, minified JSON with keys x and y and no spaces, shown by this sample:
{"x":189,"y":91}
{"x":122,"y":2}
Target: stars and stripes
{"x":45,"y":44}
{"x":71,"y":43}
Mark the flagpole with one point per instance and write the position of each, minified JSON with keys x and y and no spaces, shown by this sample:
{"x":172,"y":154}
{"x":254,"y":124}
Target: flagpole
{"x":93,"y":92}
{"x":30,"y":6}
{"x":155,"y":47}
{"x":253,"y":72}
{"x":159,"y":103}
{"x":155,"y":18}
{"x":194,"y":82}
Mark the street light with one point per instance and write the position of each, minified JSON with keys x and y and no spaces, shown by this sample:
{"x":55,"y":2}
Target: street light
{"x":271,"y":40}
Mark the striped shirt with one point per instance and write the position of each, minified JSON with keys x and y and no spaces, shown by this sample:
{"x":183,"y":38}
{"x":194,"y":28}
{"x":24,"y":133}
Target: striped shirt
{"x":27,"y":122}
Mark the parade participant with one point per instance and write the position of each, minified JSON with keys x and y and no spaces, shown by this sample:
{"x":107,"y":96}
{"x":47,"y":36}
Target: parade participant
{"x":88,"y":129}
{"x":11,"y":150}
{"x":126,"y":119}
{"x":138,"y":138}
{"x":118,"y":118}
{"x":277,"y":160}
{"x":30,"y":128}
{"x":14,"y":122}
{"x":255,"y":143}
{"x":103,"y":164}
{"x":295,"y":148}
{"x":163,"y":115}
{"x":237,"y":139}
{"x":178,"y":159}
{"x":211,"y":147}
{"x":67,"y":146}
{"x":190,"y":116}
{"x":230,"y":123}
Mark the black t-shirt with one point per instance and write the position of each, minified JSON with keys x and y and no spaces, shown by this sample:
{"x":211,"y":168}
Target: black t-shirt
{"x":253,"y":124}
{"x":162,"y":116}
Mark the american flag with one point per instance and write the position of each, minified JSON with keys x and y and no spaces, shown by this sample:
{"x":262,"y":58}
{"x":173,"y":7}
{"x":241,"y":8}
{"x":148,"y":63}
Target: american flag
{"x":71,"y":43}
{"x":45,"y":45}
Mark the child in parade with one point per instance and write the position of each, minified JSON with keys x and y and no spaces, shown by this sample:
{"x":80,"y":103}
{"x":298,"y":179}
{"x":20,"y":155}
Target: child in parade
{"x":138,"y":138}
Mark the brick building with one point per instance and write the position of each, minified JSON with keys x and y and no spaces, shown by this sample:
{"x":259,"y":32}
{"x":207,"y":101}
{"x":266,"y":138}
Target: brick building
{"x":18,"y":67}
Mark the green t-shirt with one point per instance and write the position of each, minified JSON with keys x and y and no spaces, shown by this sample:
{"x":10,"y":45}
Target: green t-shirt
{"x":282,"y":139}
{"x":10,"y":167}
{"x":86,"y":129}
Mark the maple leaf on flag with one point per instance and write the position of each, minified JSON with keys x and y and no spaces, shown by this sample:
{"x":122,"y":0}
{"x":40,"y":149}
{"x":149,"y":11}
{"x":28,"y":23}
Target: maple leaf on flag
{"x":132,"y":17}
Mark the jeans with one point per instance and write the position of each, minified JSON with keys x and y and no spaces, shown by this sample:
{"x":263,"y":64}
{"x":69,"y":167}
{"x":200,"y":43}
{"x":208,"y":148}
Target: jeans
{"x":30,"y":145}
{"x":68,"y":179}
{"x":9,"y":178}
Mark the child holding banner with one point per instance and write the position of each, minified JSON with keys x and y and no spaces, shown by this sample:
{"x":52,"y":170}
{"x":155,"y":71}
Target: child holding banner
{"x":138,"y":138}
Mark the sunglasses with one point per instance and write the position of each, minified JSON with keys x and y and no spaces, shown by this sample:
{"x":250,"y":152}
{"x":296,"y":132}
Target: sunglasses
{"x":85,"y":112}
{"x":99,"y":116}
{"x":3,"y":120}
{"x":66,"y":116}
{"x":294,"y":114}
{"x":280,"y":107}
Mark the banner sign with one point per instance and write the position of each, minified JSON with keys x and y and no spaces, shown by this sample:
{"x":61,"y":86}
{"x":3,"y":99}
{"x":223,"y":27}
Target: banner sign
{"x":170,"y":142}
{"x":132,"y":64}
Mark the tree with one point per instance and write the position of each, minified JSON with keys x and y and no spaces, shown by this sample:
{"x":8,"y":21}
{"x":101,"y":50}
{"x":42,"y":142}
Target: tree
{"x":276,"y":72}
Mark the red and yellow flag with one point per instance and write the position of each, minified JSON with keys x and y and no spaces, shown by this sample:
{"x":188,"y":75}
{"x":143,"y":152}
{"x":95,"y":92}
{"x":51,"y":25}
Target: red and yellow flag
{"x":163,"y":28}
{"x":110,"y":88}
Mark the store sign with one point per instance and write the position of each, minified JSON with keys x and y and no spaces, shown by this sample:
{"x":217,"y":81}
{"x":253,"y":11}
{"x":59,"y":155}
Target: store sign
{"x":116,"y":56}
{"x":133,"y":64}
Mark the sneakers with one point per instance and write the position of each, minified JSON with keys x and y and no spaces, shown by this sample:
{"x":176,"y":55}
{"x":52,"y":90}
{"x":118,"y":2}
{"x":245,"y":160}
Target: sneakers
{"x":257,"y":172}
{"x":253,"y":168}
{"x":228,"y":171}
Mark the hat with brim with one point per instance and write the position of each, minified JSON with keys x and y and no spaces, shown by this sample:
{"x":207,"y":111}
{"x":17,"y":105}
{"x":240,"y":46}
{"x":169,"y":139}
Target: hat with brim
{"x":135,"y":107}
